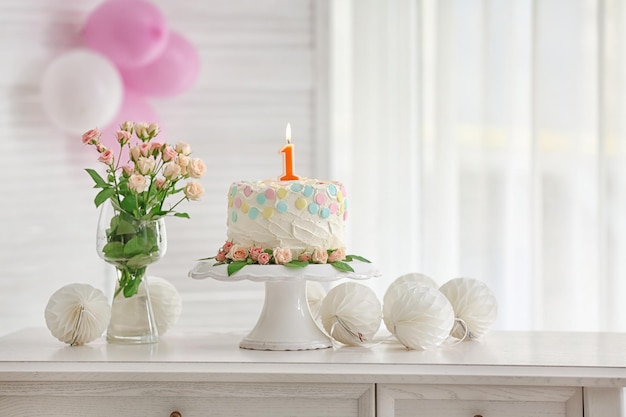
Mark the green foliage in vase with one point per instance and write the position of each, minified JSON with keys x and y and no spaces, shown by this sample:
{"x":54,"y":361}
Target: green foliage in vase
{"x":138,"y":189}
{"x":131,"y":246}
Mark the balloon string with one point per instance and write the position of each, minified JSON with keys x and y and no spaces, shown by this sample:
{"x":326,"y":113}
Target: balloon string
{"x":362,"y":341}
{"x":79,"y":321}
{"x":466,"y":332}
{"x":359,"y":338}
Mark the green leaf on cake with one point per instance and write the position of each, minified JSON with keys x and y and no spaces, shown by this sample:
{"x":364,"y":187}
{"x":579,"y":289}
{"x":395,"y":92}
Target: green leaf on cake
{"x":235,"y":266}
{"x":296,"y":264}
{"x":342,"y":266}
{"x":358,"y":258}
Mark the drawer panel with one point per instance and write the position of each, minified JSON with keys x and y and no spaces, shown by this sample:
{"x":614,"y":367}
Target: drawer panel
{"x":123,"y":399}
{"x":401,"y":400}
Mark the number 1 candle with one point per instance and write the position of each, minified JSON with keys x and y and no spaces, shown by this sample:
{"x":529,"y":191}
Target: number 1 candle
{"x":287,"y":150}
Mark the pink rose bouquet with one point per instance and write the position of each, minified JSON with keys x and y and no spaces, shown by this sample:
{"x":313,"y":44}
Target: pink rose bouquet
{"x":138,"y":189}
{"x":153,"y":173}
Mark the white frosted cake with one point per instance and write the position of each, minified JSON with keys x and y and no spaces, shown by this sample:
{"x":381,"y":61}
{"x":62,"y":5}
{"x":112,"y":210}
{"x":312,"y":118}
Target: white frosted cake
{"x":294,"y":223}
{"x":300,"y":214}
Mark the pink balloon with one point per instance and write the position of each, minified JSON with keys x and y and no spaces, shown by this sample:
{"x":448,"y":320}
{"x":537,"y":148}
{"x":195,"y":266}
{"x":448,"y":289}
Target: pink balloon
{"x":173,"y":72}
{"x":129,"y":32}
{"x":135,"y":109}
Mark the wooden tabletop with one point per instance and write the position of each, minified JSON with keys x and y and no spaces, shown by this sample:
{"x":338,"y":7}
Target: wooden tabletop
{"x":561,"y":358}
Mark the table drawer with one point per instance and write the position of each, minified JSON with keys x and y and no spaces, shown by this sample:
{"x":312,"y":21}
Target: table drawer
{"x":401,"y":400}
{"x":190,"y":399}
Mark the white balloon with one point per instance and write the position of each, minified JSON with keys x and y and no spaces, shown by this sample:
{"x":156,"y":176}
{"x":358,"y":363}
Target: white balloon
{"x":81,"y":90}
{"x":420,"y":318}
{"x":351,"y":313}
{"x":164,"y":298}
{"x":315,"y":293}
{"x":77,"y":314}
{"x":402,"y":283}
{"x":473,"y":303}
{"x":166,"y":303}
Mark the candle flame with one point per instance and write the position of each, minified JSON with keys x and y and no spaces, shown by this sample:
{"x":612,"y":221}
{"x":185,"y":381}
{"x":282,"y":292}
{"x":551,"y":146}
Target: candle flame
{"x":288,"y":133}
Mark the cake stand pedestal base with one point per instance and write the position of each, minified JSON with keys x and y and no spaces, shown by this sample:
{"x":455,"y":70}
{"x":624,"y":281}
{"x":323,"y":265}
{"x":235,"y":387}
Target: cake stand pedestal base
{"x":286,"y":322}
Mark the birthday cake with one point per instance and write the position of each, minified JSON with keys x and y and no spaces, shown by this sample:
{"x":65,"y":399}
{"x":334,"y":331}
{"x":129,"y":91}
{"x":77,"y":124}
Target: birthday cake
{"x":295,"y":220}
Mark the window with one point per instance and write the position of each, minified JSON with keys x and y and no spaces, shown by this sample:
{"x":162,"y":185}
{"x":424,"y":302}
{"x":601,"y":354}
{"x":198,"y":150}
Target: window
{"x":485,"y":139}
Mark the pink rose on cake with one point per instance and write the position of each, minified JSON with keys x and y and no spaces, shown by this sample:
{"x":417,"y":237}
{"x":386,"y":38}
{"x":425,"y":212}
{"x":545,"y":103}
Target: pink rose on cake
{"x":319,"y":255}
{"x":264,"y":258}
{"x":238,"y":253}
{"x":282,"y":255}
{"x":337,"y":255}
{"x":255,"y":252}
{"x":304,"y":257}
{"x":227,"y":246}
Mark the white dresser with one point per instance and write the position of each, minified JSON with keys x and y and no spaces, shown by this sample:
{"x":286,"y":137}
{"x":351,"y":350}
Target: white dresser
{"x":193,"y":373}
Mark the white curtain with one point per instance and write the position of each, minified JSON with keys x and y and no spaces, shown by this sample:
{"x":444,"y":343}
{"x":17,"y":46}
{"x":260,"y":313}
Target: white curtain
{"x":486,"y":139}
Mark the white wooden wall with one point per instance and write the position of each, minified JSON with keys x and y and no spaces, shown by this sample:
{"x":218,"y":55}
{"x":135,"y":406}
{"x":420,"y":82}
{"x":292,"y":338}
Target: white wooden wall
{"x":262,"y":66}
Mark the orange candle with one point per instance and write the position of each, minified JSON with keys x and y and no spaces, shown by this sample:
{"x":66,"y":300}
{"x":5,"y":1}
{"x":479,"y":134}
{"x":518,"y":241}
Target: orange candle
{"x":287,"y":150}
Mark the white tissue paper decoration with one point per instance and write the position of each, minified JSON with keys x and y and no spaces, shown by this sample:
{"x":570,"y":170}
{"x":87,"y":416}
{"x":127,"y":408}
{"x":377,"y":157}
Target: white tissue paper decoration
{"x":315,"y":293}
{"x":351,"y":313}
{"x":473,"y":303}
{"x":420,"y":318}
{"x":400,"y":285}
{"x":164,"y":298}
{"x":77,"y":314}
{"x":166,"y":303}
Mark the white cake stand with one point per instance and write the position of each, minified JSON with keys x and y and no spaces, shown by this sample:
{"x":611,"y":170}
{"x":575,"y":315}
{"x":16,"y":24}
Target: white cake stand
{"x":285,"y":322}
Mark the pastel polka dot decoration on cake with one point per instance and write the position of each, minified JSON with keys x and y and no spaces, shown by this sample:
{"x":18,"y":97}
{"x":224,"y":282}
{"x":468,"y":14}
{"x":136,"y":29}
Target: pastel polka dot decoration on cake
{"x":299,"y":214}
{"x":475,"y":306}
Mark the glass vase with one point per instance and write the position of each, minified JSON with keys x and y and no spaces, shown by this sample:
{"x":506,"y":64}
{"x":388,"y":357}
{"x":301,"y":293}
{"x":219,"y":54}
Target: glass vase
{"x":130,"y":244}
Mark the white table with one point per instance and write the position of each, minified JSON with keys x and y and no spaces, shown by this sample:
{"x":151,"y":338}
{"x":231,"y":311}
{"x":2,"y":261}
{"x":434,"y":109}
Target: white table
{"x":199,"y":373}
